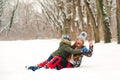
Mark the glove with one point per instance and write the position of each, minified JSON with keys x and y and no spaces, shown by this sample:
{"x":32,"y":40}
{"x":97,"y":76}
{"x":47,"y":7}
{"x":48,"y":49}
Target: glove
{"x":84,"y":50}
{"x":91,"y":46}
{"x":90,"y":43}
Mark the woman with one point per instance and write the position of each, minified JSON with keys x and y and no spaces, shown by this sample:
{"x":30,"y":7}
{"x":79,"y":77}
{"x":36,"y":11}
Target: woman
{"x":79,"y":44}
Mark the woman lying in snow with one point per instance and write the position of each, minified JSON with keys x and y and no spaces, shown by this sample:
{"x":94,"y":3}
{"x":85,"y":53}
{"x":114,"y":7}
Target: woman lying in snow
{"x":76,"y":59}
{"x":61,"y":57}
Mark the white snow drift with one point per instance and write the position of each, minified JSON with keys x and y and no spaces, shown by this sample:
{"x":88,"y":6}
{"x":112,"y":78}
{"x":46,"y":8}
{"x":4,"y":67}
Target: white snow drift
{"x":15,"y":55}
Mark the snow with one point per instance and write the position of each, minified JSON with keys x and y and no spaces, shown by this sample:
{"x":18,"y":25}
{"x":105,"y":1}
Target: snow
{"x":15,"y":55}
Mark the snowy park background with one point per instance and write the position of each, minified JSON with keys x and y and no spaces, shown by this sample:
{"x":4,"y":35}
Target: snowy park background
{"x":15,"y":55}
{"x":30,"y":32}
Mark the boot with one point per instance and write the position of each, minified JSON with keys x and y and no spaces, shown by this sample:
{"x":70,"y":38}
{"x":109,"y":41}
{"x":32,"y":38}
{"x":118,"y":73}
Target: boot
{"x":33,"y":68}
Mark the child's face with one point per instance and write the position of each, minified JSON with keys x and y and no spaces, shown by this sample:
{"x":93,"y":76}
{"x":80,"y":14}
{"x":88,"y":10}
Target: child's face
{"x":79,"y":43}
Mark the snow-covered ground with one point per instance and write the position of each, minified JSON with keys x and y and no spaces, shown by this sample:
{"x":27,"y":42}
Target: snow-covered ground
{"x":15,"y":55}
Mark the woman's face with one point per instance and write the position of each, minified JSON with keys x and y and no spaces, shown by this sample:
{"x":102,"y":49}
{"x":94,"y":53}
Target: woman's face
{"x":79,"y":43}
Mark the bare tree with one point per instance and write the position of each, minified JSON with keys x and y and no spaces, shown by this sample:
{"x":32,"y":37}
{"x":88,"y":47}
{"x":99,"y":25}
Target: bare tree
{"x":55,"y":14}
{"x":104,"y":21}
{"x":1,"y":10}
{"x":63,"y":15}
{"x":92,"y":19}
{"x":13,"y":14}
{"x":2,"y":5}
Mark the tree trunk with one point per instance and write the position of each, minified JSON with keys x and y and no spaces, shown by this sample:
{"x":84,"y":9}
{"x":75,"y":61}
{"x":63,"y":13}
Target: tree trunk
{"x":95,"y":28}
{"x":13,"y":14}
{"x":1,"y":11}
{"x":89,"y":28}
{"x":105,"y":24}
{"x":73,"y":27}
{"x":118,"y":21}
{"x":80,"y":12}
{"x":67,"y":20}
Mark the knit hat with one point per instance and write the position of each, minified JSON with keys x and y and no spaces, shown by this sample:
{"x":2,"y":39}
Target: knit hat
{"x":66,"y":39}
{"x":82,"y":36}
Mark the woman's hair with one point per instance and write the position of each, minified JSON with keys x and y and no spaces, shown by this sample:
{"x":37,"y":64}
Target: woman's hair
{"x":74,"y":45}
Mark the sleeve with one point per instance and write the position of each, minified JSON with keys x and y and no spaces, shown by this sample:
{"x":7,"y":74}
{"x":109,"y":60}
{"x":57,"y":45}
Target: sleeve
{"x":73,"y":51}
{"x":74,"y":45}
{"x":89,"y":53}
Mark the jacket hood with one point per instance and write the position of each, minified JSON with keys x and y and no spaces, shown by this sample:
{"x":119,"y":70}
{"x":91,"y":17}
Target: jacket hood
{"x":63,"y":43}
{"x":66,"y":41}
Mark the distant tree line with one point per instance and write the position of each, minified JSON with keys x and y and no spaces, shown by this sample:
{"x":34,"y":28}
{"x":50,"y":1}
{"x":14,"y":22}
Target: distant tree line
{"x":24,"y":19}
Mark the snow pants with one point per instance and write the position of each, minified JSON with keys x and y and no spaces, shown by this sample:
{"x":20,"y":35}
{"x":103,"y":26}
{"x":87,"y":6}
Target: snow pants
{"x":58,"y":63}
{"x":45,"y":62}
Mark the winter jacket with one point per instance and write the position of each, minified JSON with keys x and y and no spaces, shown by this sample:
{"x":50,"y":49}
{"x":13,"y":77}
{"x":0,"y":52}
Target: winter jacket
{"x":65,"y":50}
